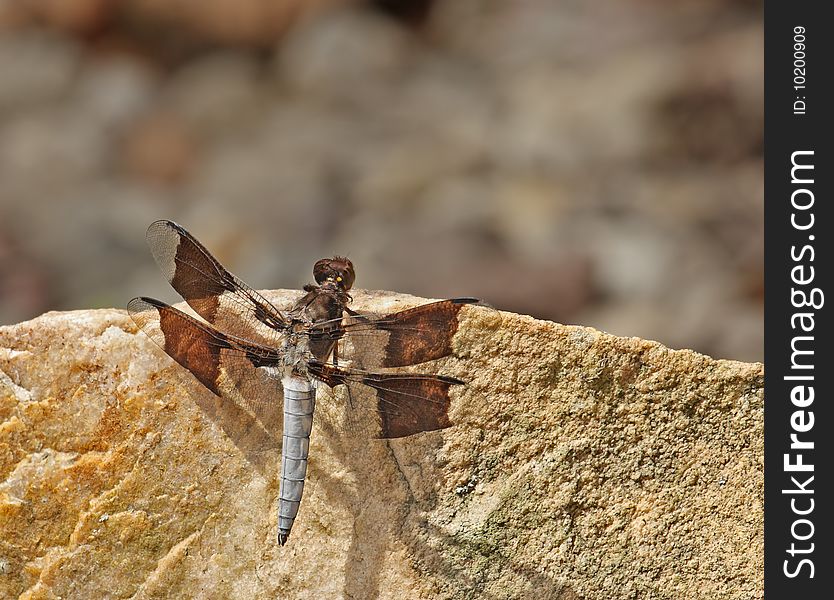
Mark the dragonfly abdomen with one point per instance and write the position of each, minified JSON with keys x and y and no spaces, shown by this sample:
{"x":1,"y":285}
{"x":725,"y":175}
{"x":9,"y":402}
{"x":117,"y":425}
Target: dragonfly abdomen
{"x":299,"y":404}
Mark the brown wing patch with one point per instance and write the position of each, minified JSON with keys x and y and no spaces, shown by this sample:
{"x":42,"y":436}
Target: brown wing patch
{"x":411,"y":404}
{"x":213,"y":292}
{"x":184,"y":339}
{"x":421,"y":334}
{"x":243,"y":400}
{"x":404,"y":403}
{"x":409,"y":337}
{"x":198,"y":278}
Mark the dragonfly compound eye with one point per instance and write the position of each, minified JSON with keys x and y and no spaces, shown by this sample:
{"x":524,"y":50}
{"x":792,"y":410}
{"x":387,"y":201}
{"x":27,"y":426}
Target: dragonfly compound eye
{"x":338,"y":269}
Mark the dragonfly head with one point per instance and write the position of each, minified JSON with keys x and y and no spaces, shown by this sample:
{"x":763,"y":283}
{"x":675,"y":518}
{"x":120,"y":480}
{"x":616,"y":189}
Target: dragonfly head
{"x":338,"y":270}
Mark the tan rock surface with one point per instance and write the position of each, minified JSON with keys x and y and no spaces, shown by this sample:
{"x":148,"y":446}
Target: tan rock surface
{"x":582,"y":466}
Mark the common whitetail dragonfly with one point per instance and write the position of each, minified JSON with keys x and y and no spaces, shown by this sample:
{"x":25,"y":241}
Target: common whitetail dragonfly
{"x":249,"y":354}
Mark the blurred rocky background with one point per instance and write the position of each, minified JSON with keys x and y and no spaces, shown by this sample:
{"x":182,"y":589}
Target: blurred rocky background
{"x":597,"y":163}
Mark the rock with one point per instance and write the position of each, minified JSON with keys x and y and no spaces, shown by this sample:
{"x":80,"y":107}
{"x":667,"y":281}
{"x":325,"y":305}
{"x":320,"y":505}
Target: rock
{"x":35,"y":68}
{"x":77,"y":16}
{"x":71,"y":143}
{"x":229,"y":21}
{"x":160,"y":149}
{"x":114,"y":90}
{"x":217,"y":93}
{"x":243,"y":22}
{"x":23,"y":282}
{"x":341,"y":53}
{"x":581,"y":465}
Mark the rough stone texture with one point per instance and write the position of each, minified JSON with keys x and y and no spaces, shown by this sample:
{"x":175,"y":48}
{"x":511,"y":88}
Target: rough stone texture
{"x":582,"y":466}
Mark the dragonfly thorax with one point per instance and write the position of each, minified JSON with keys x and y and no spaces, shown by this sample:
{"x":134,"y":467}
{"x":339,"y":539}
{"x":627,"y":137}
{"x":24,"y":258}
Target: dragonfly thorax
{"x":296,"y":353}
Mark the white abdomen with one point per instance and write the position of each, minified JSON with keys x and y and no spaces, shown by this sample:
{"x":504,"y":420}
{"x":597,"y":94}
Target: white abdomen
{"x":299,"y":404}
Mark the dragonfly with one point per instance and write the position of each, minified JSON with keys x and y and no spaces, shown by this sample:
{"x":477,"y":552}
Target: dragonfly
{"x":260,"y":366}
